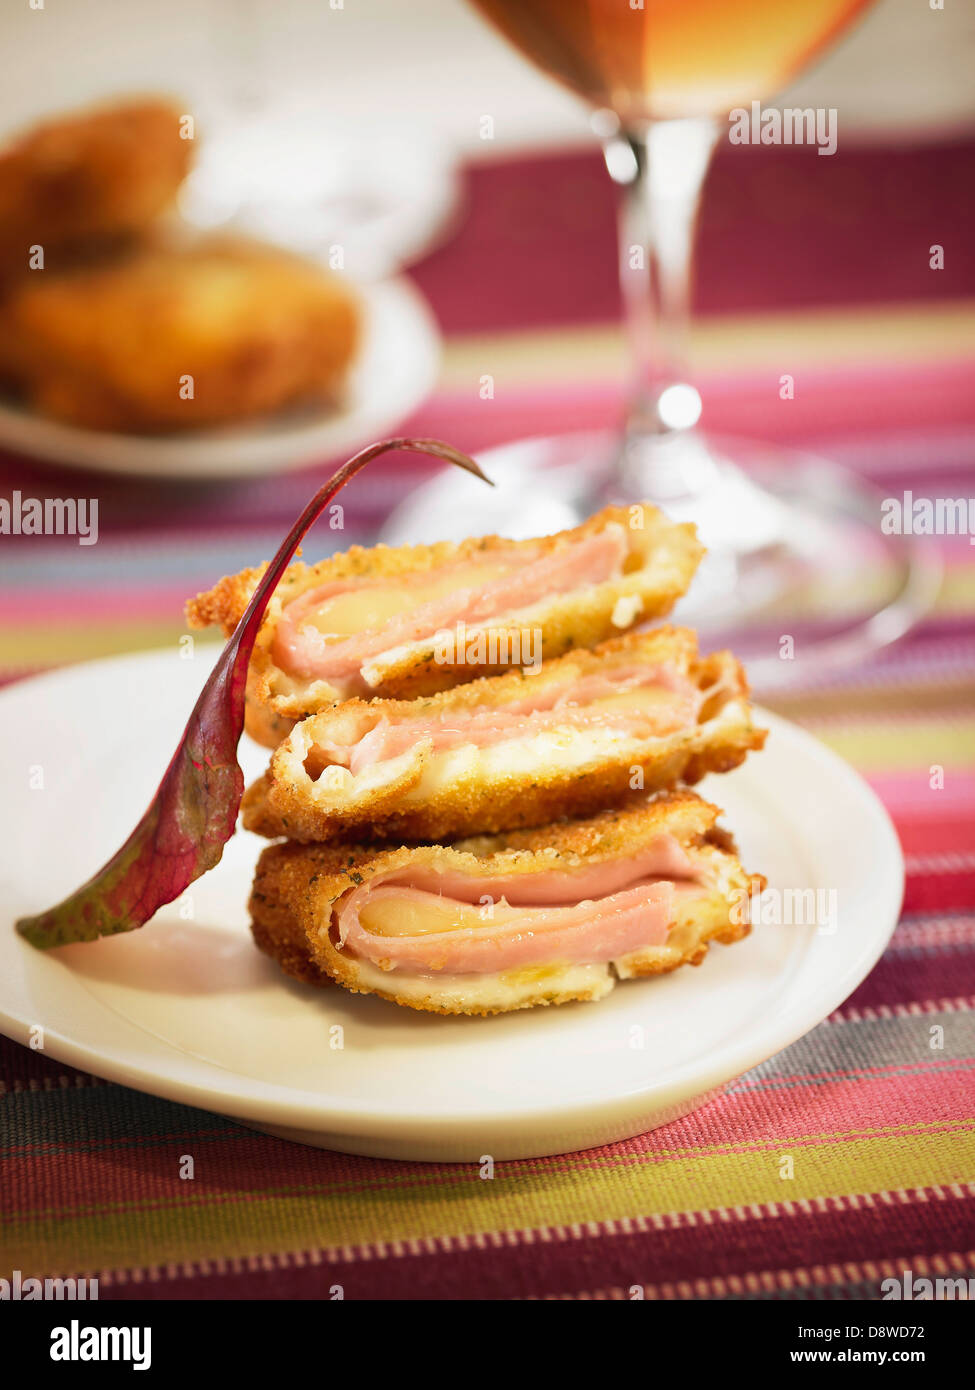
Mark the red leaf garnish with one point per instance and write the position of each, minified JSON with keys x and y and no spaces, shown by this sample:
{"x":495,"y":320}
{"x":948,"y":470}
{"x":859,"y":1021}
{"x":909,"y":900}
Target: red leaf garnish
{"x":194,"y":812}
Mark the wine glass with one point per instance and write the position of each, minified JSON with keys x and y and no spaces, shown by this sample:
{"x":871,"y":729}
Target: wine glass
{"x":662,"y":76}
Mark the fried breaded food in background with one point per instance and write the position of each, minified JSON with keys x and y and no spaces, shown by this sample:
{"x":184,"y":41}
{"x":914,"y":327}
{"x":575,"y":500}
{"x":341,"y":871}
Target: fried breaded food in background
{"x":179,"y":337}
{"x":106,"y":173}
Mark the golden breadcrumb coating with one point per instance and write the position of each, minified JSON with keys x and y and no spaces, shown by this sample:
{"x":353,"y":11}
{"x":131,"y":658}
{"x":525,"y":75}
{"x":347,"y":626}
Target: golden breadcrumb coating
{"x":298,"y":887}
{"x":425,"y":797}
{"x":278,"y":934}
{"x":179,"y":337}
{"x":99,"y":174}
{"x":659,"y":565}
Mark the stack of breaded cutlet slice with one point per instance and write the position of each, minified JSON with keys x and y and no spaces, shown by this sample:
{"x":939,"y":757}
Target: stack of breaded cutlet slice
{"x":478,"y":791}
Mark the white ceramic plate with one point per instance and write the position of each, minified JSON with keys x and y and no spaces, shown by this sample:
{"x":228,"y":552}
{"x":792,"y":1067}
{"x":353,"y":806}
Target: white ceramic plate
{"x":188,"y":1009}
{"x":396,"y":369}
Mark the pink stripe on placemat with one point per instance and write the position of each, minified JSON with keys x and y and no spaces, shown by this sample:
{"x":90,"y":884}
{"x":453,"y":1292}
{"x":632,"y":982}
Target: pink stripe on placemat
{"x":64,"y":605}
{"x":853,"y":400}
{"x":929,"y":820}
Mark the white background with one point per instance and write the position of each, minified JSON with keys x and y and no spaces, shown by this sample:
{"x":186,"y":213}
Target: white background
{"x":434,"y":65}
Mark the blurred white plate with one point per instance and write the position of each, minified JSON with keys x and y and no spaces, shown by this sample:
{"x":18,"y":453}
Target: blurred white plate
{"x":187,"y":1008}
{"x":384,"y":192}
{"x":396,"y":369}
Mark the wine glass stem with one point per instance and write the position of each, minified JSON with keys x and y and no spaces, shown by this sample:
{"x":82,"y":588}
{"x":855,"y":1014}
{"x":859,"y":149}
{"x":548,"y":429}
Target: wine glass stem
{"x":661,"y":167}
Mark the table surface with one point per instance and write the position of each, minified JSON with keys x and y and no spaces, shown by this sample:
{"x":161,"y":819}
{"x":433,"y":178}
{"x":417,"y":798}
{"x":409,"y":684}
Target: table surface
{"x":821,"y":272}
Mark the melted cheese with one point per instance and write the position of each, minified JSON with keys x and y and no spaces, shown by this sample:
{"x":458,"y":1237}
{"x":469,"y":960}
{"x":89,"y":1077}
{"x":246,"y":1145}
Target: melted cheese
{"x":370,"y":606}
{"x":488,"y":992}
{"x":643,"y":697}
{"x":532,"y":975}
{"x":559,"y":749}
{"x":405,"y":916}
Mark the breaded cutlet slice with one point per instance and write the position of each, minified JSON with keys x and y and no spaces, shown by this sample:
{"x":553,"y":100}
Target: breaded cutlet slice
{"x":553,"y":761}
{"x":278,"y":933}
{"x":650,"y":564}
{"x":302,"y":891}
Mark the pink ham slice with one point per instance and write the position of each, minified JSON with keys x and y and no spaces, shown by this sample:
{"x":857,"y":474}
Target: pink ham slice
{"x":303,"y":651}
{"x":559,"y":707}
{"x":594,"y":915}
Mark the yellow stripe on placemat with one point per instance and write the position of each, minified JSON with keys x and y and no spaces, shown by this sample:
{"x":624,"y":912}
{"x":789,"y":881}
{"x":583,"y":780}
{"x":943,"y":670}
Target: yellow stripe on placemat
{"x":899,"y":744}
{"x":423,"y":1203}
{"x":882,"y":335}
{"x":844,"y":706}
{"x":957,"y":596}
{"x":28,"y":646}
{"x":845,"y":595}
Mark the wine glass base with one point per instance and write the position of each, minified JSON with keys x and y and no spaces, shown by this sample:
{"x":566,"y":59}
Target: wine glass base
{"x":798,"y":574}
